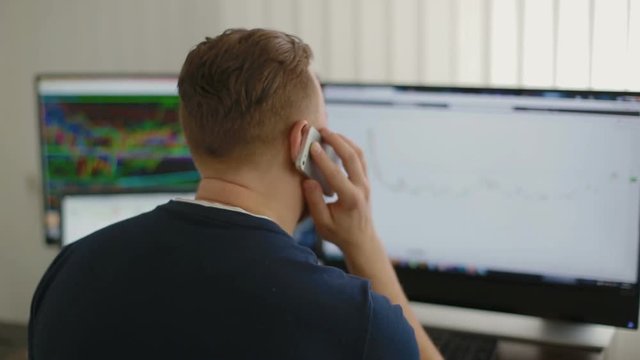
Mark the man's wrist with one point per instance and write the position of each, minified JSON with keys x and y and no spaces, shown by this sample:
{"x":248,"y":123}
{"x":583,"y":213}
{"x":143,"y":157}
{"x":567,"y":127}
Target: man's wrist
{"x":367,"y":247}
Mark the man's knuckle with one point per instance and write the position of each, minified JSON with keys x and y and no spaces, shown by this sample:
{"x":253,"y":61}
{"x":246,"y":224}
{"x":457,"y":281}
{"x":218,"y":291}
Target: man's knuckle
{"x":352,"y":156}
{"x":336,"y":171}
{"x":366,"y":185}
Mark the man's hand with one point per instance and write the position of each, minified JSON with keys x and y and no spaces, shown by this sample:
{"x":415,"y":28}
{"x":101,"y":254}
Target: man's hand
{"x":346,"y":222}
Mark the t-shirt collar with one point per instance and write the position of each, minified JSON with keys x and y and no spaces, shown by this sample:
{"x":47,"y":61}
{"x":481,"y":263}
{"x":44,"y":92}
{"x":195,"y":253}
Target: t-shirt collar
{"x":222,"y":206}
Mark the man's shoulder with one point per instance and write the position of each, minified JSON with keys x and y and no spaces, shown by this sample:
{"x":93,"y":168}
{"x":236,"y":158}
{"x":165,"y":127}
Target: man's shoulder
{"x":389,"y":334}
{"x":378,"y":327}
{"x":325,"y":281}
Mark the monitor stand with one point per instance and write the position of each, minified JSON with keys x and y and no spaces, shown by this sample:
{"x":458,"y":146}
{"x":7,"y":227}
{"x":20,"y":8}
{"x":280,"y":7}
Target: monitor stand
{"x":517,"y":327}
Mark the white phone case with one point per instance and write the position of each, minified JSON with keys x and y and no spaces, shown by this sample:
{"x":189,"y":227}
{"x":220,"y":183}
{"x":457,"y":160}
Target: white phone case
{"x":304,"y":163}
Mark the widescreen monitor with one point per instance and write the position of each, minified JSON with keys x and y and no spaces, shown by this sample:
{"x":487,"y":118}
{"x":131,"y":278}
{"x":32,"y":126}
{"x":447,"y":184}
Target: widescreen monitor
{"x":508,"y":200}
{"x":109,"y":135}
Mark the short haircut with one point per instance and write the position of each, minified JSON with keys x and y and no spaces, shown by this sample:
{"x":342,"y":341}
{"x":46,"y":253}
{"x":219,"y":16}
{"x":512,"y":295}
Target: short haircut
{"x":242,"y":90}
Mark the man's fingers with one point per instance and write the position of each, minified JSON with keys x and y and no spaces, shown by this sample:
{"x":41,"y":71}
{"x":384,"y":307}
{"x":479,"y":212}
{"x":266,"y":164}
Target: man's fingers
{"x":348,"y":155}
{"x":332,"y":173}
{"x":317,"y":207}
{"x":358,"y":151}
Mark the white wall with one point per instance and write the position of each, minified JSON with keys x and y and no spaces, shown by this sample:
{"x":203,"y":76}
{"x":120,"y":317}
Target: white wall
{"x":545,"y":43}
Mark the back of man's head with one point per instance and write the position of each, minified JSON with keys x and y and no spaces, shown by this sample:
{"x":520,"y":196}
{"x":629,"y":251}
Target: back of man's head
{"x":241,"y":91}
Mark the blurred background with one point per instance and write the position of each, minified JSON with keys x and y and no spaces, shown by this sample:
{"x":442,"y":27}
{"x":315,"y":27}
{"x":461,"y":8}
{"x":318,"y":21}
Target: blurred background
{"x":581,"y":44}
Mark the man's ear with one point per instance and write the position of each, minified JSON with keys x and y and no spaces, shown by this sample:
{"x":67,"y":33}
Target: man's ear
{"x":296,"y":136}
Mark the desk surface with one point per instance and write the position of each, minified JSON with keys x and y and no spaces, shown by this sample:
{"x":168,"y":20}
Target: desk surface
{"x":516,"y":350}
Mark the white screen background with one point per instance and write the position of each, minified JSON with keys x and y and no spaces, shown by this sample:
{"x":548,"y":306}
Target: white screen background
{"x":85,"y":214}
{"x":539,"y":193}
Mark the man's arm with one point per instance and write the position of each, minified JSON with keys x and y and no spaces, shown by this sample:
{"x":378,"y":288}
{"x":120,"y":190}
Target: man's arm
{"x":348,"y":224}
{"x":371,"y":262}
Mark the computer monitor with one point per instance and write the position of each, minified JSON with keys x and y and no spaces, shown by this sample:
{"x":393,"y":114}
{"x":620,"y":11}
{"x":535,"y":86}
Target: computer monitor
{"x":85,"y":214}
{"x":108,"y":135}
{"x":517,"y":201}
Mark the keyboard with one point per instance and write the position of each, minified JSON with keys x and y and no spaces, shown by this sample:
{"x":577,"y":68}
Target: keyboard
{"x":454,"y":345}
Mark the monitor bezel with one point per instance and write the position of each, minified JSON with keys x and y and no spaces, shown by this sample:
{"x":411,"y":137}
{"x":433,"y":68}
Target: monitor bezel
{"x":557,"y":301}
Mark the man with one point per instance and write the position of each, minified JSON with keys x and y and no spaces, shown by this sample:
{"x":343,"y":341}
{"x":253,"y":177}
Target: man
{"x":220,"y":277}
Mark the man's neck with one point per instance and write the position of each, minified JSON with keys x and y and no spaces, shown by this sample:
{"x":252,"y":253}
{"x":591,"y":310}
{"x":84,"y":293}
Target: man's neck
{"x":249,"y":198}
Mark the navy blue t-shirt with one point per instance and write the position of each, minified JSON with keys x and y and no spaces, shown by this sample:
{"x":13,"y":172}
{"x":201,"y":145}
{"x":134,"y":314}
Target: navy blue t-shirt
{"x":186,"y":281}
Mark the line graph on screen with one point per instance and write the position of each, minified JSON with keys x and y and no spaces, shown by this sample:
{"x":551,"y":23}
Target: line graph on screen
{"x":401,"y":168}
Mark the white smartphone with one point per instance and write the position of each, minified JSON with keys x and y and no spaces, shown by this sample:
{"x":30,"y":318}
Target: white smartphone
{"x":305,"y":164}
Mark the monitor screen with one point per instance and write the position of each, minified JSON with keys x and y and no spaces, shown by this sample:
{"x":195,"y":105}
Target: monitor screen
{"x":507,"y":200}
{"x":109,"y":134}
{"x":85,"y":214}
